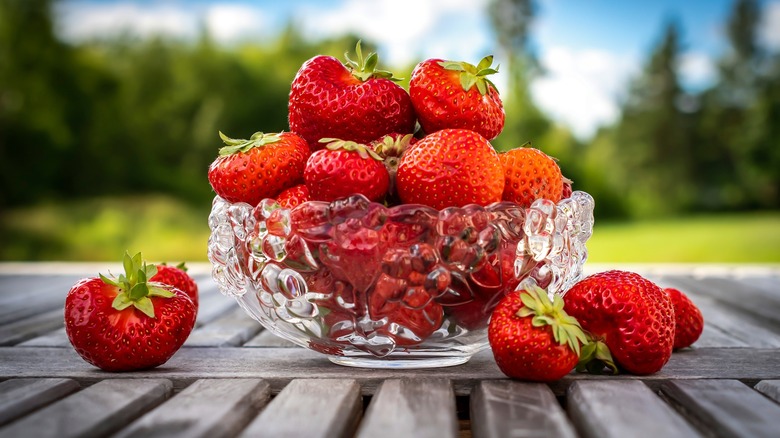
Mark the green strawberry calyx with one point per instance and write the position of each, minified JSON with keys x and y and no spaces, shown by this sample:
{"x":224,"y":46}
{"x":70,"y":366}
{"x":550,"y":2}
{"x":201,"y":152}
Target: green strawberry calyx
{"x":258,"y":139}
{"x":471,"y":75}
{"x":537,"y":304}
{"x":365,"y":152}
{"x":365,"y":67}
{"x":390,"y":146}
{"x":596,"y":358}
{"x":133,"y":286}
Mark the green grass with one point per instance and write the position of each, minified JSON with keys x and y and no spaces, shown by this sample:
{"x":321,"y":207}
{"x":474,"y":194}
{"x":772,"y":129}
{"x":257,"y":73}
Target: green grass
{"x":166,"y":229}
{"x":716,"y":238}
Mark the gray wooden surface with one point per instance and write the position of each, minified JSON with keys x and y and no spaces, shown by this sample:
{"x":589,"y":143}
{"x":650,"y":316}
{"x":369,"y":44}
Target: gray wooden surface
{"x":232,"y":378}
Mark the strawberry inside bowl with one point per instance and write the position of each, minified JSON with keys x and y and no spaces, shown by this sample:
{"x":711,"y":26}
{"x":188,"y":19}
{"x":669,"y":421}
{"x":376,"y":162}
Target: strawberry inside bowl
{"x":403,"y":287}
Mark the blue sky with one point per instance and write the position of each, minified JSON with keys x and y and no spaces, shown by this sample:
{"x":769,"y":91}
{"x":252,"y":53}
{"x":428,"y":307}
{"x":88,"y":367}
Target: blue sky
{"x":590,"y":48}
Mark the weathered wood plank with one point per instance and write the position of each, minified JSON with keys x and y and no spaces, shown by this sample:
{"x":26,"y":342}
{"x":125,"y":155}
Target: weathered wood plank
{"x":210,"y":408}
{"x":211,"y":303}
{"x":93,"y":412}
{"x":770,"y":388}
{"x":55,"y":338}
{"x":411,"y":407}
{"x":310,"y":408}
{"x":29,"y":295}
{"x":21,"y":396}
{"x":28,"y":328}
{"x":601,"y":409}
{"x":501,"y":408}
{"x":229,"y":330}
{"x":724,"y":408}
{"x":266,"y":339}
{"x":280,"y":365}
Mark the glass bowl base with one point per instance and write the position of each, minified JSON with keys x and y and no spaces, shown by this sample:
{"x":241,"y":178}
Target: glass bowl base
{"x":399,"y":363}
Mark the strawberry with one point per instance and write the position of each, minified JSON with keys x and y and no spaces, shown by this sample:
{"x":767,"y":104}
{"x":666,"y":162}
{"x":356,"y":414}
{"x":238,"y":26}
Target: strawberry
{"x":451,"y":167}
{"x":354,"y":101}
{"x":344,"y":168}
{"x":390,"y":147}
{"x":530,"y":174}
{"x":294,"y":196}
{"x":688,"y":321}
{"x":178,"y":277}
{"x":630,"y":319}
{"x":409,"y":312}
{"x":567,"y":188}
{"x":448,"y":94}
{"x":127,"y":323}
{"x":261,"y":167}
{"x":533,"y":338}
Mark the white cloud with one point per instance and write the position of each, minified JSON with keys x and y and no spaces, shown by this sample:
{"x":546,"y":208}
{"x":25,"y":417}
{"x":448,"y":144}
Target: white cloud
{"x":232,"y":22}
{"x":581,"y":87}
{"x":770,"y":26}
{"x":84,"y":20}
{"x":697,"y":70}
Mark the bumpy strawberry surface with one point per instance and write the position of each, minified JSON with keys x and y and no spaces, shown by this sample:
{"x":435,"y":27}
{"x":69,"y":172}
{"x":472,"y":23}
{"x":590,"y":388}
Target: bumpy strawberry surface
{"x":688,"y":320}
{"x":178,"y":277}
{"x":628,"y":313}
{"x":261,"y":167}
{"x":343,"y":169}
{"x":329,"y":99}
{"x":448,"y":94}
{"x":117,"y":329}
{"x":530,"y":174}
{"x":294,"y":196}
{"x":450,"y":168}
{"x":532,"y":338}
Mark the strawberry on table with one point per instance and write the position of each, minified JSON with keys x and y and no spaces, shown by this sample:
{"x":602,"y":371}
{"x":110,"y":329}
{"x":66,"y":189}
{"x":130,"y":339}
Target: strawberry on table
{"x":353,"y":102}
{"x":533,"y":338}
{"x":630,"y":319}
{"x":261,"y":167}
{"x":127,"y":323}
{"x":688,"y":320}
{"x":449,"y":94}
{"x":178,"y":277}
{"x":530,"y":174}
{"x":450,"y":168}
{"x":345,"y":168}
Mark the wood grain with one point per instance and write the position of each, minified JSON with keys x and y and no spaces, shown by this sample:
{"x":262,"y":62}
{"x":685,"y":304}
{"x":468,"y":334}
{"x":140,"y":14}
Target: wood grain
{"x":501,"y":409}
{"x":210,"y":408}
{"x":21,"y":396}
{"x":93,"y":412}
{"x":770,"y":388}
{"x":411,"y":407}
{"x":310,"y":408}
{"x":724,"y":408}
{"x":612,"y":409}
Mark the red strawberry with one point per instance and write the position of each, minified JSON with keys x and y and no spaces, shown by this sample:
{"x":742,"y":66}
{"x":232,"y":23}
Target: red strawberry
{"x":567,"y":189}
{"x":127,"y":323}
{"x":451,"y":167}
{"x":353,"y":102}
{"x":629,"y":318}
{"x":261,"y":167}
{"x":532,"y":338}
{"x":344,"y":168}
{"x":178,"y":277}
{"x":294,"y":196}
{"x":448,"y":94}
{"x":530,"y":175}
{"x":688,"y":321}
{"x":410,"y":313}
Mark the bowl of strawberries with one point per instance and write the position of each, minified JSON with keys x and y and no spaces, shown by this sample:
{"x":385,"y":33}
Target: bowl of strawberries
{"x":383,"y":228}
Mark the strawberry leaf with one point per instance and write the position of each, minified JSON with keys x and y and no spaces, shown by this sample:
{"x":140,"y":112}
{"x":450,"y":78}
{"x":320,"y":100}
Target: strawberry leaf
{"x":121,"y":302}
{"x":156,"y":291}
{"x":145,"y":305}
{"x":485,"y":62}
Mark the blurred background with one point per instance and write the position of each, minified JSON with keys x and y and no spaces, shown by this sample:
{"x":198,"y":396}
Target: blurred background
{"x":667,"y":112}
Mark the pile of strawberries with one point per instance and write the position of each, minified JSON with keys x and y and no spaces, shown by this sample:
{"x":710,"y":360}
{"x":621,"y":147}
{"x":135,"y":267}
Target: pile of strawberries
{"x":353,"y":130}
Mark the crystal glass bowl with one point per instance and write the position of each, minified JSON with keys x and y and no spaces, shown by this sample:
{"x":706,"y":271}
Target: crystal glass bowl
{"x":402,"y":287}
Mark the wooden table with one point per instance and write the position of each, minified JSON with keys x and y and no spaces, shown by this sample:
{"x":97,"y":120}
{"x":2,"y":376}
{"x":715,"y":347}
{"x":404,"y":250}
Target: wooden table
{"x":232,"y":378}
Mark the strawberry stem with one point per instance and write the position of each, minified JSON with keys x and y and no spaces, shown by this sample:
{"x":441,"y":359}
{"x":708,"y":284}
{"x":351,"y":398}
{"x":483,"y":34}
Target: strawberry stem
{"x":365,"y":68}
{"x":471,"y":75}
{"x":364,"y":151}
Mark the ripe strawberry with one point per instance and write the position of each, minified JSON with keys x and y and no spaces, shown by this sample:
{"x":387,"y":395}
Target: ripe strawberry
{"x":567,"y":188}
{"x":410,"y":313}
{"x":530,"y":175}
{"x":448,"y":94}
{"x":630,"y":319}
{"x":688,"y":321}
{"x":178,"y":277}
{"x":344,"y":168}
{"x":354,"y":101}
{"x":261,"y":167}
{"x":127,"y":323}
{"x":294,"y":196}
{"x":390,"y":147}
{"x":451,"y":167}
{"x":533,"y":338}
